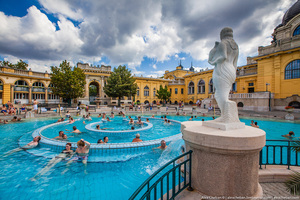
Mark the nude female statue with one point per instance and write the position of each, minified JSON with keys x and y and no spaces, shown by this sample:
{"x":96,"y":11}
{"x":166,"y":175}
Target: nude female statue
{"x":224,"y":57}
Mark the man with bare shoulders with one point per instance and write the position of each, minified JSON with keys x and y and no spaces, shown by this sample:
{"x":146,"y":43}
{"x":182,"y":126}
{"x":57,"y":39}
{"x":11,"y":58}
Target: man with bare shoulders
{"x":61,"y":136}
{"x":163,"y":145}
{"x":35,"y":105}
{"x":137,"y":138}
{"x":75,"y":130}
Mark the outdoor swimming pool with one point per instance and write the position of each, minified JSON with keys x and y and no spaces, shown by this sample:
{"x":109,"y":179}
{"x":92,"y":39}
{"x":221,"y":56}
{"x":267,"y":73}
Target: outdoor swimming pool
{"x":103,"y":180}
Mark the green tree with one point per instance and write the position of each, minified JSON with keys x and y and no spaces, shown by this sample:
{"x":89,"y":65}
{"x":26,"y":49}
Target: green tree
{"x":93,"y":90}
{"x":67,"y":83}
{"x":6,"y":63}
{"x":163,"y":94}
{"x":21,"y":65}
{"x":120,"y":84}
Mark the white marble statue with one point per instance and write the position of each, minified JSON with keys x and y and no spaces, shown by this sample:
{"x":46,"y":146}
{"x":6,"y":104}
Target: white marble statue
{"x":224,"y":57}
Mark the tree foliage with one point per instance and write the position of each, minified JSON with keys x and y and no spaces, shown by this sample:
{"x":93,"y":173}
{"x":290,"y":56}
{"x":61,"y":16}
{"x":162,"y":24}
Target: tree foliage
{"x":120,"y":83}
{"x":67,"y":83}
{"x":163,"y":93}
{"x":20,"y":65}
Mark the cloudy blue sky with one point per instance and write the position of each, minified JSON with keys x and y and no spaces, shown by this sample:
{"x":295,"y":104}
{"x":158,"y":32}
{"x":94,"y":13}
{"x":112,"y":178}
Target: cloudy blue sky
{"x":148,"y":36}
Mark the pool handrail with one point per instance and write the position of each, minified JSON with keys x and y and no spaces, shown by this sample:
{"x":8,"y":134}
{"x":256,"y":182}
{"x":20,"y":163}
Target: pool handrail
{"x":289,"y":146}
{"x":160,"y":179}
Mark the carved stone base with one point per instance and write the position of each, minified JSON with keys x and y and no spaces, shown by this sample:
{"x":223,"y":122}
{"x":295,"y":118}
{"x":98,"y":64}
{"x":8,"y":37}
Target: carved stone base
{"x":224,"y":163}
{"x":224,"y":126}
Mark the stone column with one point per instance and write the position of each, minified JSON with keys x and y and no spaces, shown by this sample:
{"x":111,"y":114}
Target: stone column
{"x":87,"y":88}
{"x":102,"y":85}
{"x":46,"y":95}
{"x":224,"y":163}
{"x":12,"y":94}
{"x":30,"y":94}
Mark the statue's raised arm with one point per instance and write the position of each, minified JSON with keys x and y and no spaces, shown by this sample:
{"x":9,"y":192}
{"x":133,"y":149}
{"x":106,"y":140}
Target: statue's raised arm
{"x":224,"y":57}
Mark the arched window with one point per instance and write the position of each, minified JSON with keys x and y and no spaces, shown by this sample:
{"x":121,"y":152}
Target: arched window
{"x":292,"y":70}
{"x":295,"y":104}
{"x":297,"y":31}
{"x":21,"y":83}
{"x":240,"y":104}
{"x":145,"y":102}
{"x":201,"y":87}
{"x":191,"y":102}
{"x":51,"y":97}
{"x":1,"y":85}
{"x":211,"y":86}
{"x":38,"y":84}
{"x":154,"y":92}
{"x":37,"y":87}
{"x":191,"y":87}
{"x":146,"y":91}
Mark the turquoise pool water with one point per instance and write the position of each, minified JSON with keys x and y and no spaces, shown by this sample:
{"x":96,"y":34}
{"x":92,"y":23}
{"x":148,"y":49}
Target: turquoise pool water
{"x":159,"y":130}
{"x":104,"y":180}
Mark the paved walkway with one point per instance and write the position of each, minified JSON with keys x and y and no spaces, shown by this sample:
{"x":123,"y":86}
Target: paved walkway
{"x":271,"y":180}
{"x":276,"y":191}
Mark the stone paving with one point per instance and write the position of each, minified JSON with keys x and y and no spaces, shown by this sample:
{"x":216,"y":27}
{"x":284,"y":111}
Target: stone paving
{"x":276,"y":191}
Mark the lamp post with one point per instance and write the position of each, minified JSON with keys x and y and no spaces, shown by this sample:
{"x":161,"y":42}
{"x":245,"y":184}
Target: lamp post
{"x":267,"y":84}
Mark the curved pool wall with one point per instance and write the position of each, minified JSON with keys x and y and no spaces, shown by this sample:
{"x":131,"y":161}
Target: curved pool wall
{"x":89,"y":127}
{"x":134,"y":148}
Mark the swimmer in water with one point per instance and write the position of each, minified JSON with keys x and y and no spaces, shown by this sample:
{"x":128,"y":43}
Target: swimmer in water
{"x":30,"y":145}
{"x":162,"y":146}
{"x":67,"y":153}
{"x":75,"y":130}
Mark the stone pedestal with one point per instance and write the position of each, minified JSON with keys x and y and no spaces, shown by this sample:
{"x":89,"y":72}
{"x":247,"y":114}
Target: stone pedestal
{"x":224,"y":163}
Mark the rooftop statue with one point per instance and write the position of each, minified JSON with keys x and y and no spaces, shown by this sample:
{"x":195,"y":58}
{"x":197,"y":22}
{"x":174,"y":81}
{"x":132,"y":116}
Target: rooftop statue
{"x":224,"y":57}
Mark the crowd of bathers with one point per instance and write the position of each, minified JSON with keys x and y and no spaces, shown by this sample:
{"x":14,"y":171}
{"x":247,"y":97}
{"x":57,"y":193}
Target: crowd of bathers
{"x":8,"y":108}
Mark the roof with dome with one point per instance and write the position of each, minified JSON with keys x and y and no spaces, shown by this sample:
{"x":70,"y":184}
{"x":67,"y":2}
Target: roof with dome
{"x":290,"y":14}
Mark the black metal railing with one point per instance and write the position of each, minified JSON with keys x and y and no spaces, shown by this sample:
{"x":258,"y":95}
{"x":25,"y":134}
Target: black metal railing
{"x":168,"y":181}
{"x":280,"y":152}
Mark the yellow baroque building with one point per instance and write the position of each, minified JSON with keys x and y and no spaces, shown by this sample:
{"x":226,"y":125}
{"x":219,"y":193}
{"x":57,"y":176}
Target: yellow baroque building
{"x":269,"y":81}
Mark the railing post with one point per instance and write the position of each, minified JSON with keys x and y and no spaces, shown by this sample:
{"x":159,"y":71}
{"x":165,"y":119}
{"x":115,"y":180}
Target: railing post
{"x":260,"y":159}
{"x":190,"y":173}
{"x":148,"y":187}
{"x":289,"y":155}
{"x":173,"y":181}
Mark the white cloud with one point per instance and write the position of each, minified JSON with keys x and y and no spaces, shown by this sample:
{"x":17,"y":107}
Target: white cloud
{"x":156,"y":74}
{"x":61,"y":7}
{"x":154,"y":66}
{"x":128,"y":31}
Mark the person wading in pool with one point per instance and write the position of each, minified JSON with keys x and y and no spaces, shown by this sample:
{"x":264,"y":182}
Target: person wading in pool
{"x":82,"y":151}
{"x":137,"y":138}
{"x":75,"y":130}
{"x":65,"y":154}
{"x":61,"y":136}
{"x":30,"y":145}
{"x":163,"y":145}
{"x":290,"y":135}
